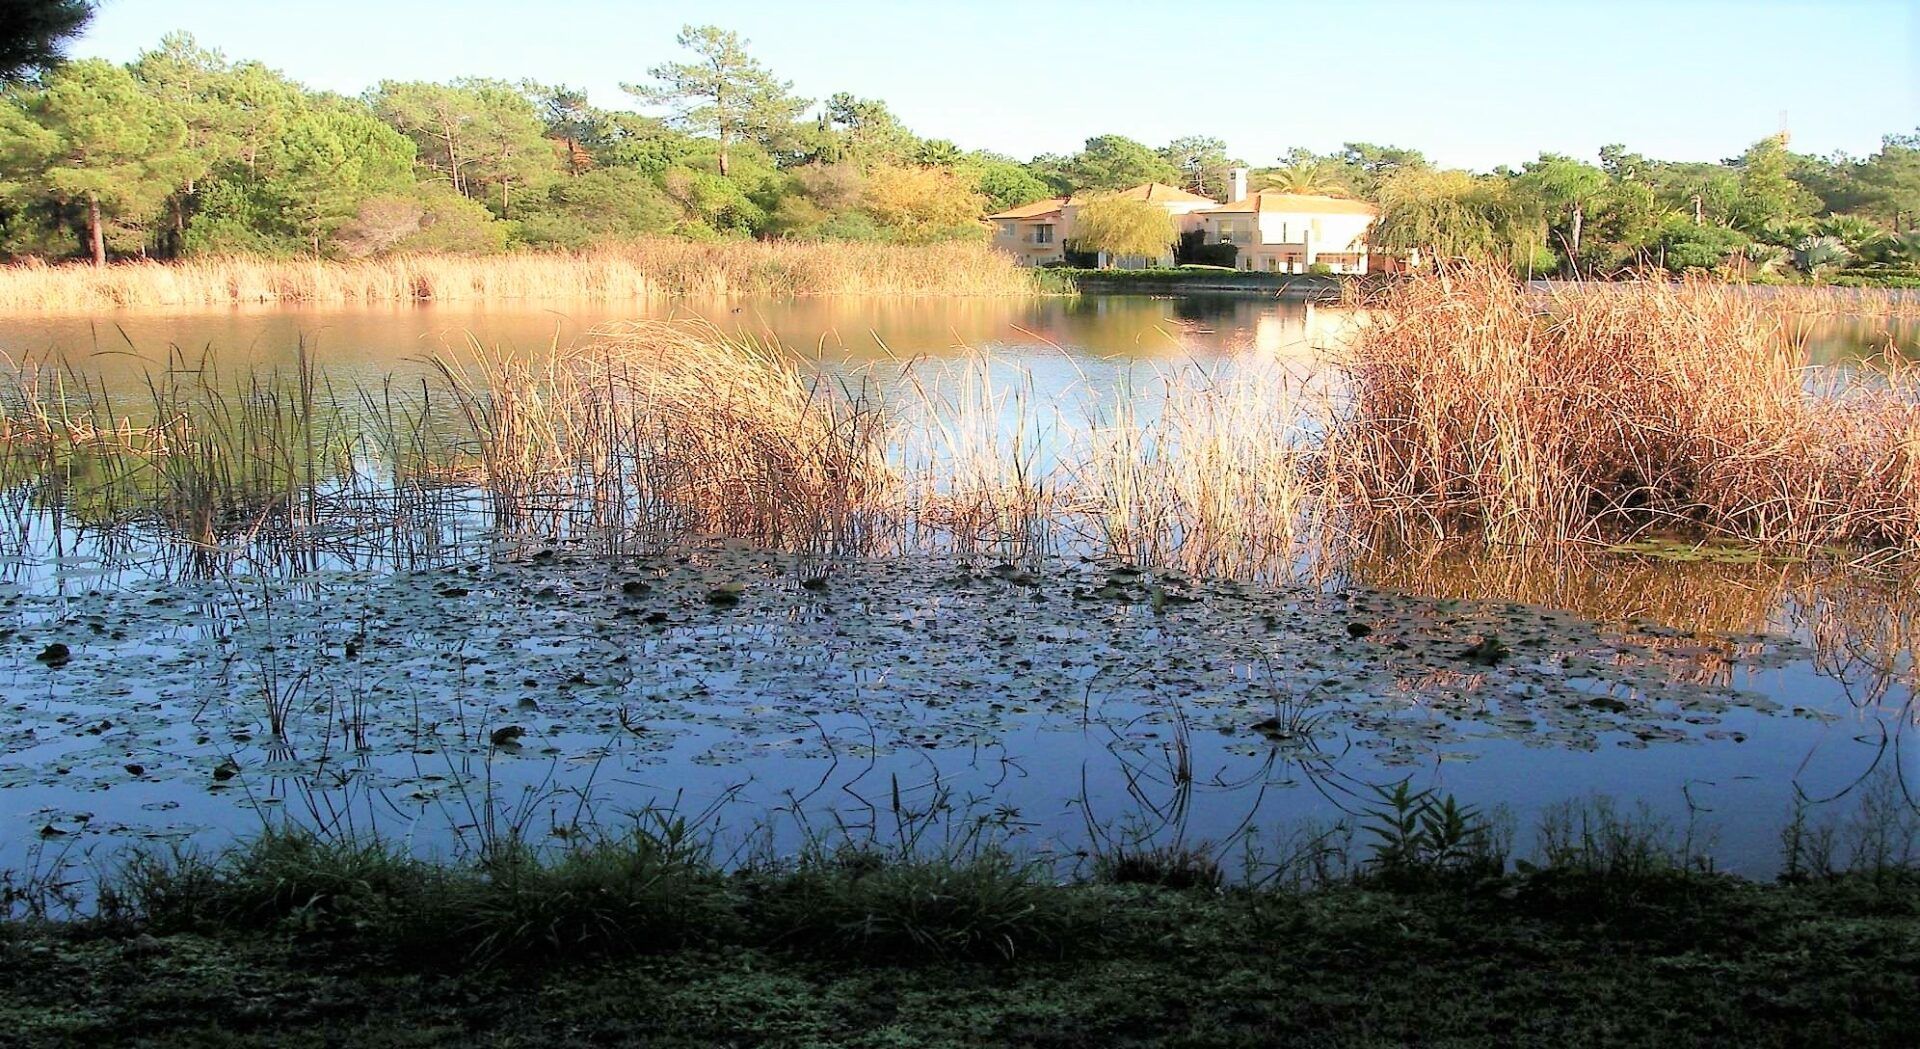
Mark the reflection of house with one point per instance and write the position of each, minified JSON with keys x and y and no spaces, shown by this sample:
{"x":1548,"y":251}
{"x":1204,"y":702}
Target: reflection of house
{"x":1274,"y":232}
{"x":1291,"y":232}
{"x":1037,"y":233}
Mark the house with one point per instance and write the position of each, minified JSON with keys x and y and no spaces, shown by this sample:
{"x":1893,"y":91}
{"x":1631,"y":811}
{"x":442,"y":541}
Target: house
{"x":1037,"y":233}
{"x":1290,"y":232}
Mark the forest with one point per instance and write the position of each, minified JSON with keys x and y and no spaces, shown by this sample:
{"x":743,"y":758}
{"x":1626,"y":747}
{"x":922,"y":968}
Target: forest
{"x":188,"y":152}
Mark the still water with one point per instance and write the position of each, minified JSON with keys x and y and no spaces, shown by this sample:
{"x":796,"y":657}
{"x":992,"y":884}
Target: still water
{"x":1065,"y":711}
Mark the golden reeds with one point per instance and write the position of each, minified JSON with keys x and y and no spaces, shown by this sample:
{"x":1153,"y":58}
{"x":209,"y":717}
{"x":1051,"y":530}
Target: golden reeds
{"x":1475,"y":407}
{"x":659,"y":268}
{"x":1466,"y":406}
{"x":655,"y":430}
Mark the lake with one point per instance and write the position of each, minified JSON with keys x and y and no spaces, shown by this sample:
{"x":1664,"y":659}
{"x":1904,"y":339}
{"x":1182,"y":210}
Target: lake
{"x":471,"y":689}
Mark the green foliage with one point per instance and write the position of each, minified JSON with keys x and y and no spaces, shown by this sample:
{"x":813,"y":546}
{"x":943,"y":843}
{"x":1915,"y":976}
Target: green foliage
{"x":1193,"y":250}
{"x":1815,"y":256}
{"x":1317,"y":176}
{"x":1686,"y":245}
{"x":1004,"y":183}
{"x":35,"y":29}
{"x":1768,"y":193}
{"x":1447,"y":214}
{"x":1422,"y":834}
{"x":726,"y":93}
{"x":598,"y":206}
{"x":1115,"y":162}
{"x":1203,"y":164}
{"x":91,"y":137}
{"x":981,"y":905}
{"x":484,"y":138}
{"x":187,"y":152}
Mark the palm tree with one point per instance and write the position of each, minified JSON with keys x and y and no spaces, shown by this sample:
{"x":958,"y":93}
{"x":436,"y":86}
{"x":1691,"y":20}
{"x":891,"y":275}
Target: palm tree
{"x":1757,"y":258}
{"x":1814,"y":255}
{"x":1904,"y":248}
{"x":1316,"y":177}
{"x":1861,"y":237}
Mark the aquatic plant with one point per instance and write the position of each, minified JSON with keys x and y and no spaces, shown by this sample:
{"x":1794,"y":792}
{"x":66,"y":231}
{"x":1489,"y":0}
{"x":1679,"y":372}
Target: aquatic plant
{"x":1593,"y":412}
{"x":657,"y":268}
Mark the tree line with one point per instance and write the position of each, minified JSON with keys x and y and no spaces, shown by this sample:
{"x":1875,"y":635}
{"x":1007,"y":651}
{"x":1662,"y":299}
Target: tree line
{"x":186,"y":152}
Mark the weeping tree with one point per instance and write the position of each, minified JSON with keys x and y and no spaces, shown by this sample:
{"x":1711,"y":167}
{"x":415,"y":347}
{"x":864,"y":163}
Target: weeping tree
{"x":1452,"y":214}
{"x":1121,"y":226}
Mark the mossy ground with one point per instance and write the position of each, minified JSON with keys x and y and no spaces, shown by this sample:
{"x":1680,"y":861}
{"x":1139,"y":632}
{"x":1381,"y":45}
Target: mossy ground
{"x":1536,"y":959}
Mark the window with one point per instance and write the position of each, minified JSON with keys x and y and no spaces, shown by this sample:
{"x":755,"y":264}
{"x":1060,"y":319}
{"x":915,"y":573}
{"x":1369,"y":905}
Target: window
{"x":1006,"y":229}
{"x":1043,"y":233}
{"x":1226,"y":232}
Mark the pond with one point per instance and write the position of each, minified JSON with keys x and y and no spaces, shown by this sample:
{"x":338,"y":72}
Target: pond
{"x":476,"y":689}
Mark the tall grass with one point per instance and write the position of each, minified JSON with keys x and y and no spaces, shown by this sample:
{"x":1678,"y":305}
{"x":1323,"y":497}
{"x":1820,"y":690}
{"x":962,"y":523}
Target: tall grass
{"x":1465,"y":407}
{"x":655,"y":430}
{"x":1475,"y":407}
{"x":644,"y":269}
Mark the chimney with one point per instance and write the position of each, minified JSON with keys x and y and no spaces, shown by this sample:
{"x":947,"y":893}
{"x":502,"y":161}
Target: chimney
{"x":1237,"y":185}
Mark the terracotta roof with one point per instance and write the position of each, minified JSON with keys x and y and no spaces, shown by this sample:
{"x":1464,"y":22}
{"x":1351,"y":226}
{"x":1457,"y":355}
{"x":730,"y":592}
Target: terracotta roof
{"x":1294,"y":203}
{"x":1033,"y":210}
{"x":1161,"y":193}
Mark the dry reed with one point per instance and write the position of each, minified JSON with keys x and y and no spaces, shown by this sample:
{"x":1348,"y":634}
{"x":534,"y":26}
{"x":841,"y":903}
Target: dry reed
{"x":1476,"y":408}
{"x":1468,"y":407}
{"x":652,"y":431}
{"x":658,"y":268}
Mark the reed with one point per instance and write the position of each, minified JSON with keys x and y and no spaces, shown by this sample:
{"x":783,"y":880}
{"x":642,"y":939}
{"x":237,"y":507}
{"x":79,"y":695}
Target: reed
{"x":1476,"y":408}
{"x":655,"y":268}
{"x":652,"y":431}
{"x":1467,"y":407}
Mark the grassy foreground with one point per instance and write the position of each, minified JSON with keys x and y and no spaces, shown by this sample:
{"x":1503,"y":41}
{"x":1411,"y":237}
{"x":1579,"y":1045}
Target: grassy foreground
{"x":293,"y":942}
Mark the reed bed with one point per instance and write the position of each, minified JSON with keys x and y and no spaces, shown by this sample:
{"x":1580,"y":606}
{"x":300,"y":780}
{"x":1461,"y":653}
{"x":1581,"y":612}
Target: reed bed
{"x":655,"y":268}
{"x":653,"y":431}
{"x":1465,"y":407}
{"x":1475,"y":408}
{"x":1831,"y":300}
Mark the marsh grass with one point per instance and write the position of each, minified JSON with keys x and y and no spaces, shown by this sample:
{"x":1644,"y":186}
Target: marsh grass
{"x":1466,"y":407}
{"x":660,"y":268}
{"x":1475,"y":407}
{"x":652,"y":431}
{"x":659,"y":885}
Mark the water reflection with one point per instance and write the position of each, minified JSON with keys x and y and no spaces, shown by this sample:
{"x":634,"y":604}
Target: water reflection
{"x":1823,"y":655}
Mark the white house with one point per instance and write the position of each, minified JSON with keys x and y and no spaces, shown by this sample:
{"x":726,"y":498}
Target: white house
{"x":1274,"y":232}
{"x":1291,"y":232}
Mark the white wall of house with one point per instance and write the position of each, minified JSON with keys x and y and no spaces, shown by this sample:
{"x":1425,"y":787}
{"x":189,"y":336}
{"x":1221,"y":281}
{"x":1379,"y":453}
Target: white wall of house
{"x":1292,"y":242}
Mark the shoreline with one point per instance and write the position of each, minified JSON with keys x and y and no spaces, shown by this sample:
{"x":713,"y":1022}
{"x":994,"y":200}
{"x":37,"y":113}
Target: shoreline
{"x":854,"y":948}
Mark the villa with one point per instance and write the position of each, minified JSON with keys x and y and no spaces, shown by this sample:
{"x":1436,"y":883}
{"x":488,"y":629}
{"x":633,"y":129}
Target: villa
{"x":1274,"y":232}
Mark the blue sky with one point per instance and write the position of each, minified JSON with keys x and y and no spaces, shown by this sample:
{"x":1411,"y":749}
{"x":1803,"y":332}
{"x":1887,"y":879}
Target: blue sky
{"x":1474,"y":84}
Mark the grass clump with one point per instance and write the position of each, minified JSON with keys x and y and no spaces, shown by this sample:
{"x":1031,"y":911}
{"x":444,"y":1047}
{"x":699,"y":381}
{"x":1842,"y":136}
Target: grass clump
{"x":983,"y":904}
{"x":1479,"y":407}
{"x":655,"y":430}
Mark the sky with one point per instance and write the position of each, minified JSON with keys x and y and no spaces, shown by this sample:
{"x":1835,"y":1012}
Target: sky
{"x":1472,"y":83}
